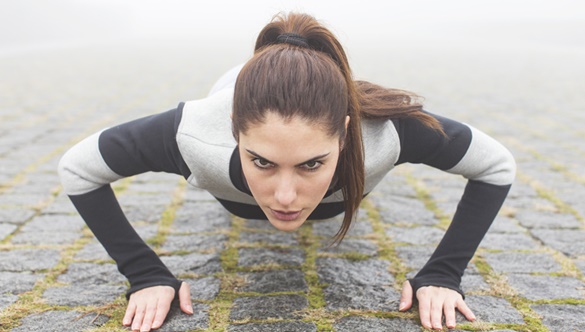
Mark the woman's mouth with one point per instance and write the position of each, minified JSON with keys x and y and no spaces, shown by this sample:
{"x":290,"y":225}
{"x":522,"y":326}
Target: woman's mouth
{"x":286,"y":215}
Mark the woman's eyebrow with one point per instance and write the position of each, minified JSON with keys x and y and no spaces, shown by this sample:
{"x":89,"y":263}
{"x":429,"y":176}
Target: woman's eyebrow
{"x":299,"y":164}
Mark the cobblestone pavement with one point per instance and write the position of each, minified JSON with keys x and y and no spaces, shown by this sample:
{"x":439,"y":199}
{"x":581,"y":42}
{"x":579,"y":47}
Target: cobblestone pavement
{"x":528,"y":274}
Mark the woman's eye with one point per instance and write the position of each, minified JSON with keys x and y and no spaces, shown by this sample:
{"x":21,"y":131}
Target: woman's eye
{"x":261,"y":163}
{"x":312,"y":165}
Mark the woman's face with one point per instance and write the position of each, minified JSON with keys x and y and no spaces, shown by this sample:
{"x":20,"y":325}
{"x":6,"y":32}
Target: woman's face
{"x":288,"y":166}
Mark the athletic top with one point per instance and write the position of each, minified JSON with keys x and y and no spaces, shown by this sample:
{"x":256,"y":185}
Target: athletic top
{"x":194,"y":140}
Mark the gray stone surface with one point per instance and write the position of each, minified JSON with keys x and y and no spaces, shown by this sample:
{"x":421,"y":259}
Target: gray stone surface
{"x":6,"y":229}
{"x":274,"y":327}
{"x":264,"y":307}
{"x":194,"y":242}
{"x":570,"y":317}
{"x":60,"y":321}
{"x":7,"y":300}
{"x":514,"y":262}
{"x":368,"y":324}
{"x":195,"y":217}
{"x":260,"y":256}
{"x":83,"y":295}
{"x":280,"y":238}
{"x":546,"y":219}
{"x":545,"y":287}
{"x":328,"y":228}
{"x":45,"y":237}
{"x":361,"y":297}
{"x":93,"y":251}
{"x":473,"y":283}
{"x":349,"y":245}
{"x":342,"y":271}
{"x":203,"y":289}
{"x":16,"y":283}
{"x":89,"y":274}
{"x":492,"y":310}
{"x":179,"y":321}
{"x":512,"y":241}
{"x":569,"y":242}
{"x":405,"y":210}
{"x":422,"y":235}
{"x":19,"y":260}
{"x":193,"y":263}
{"x":15,"y":215}
{"x":275,"y":281}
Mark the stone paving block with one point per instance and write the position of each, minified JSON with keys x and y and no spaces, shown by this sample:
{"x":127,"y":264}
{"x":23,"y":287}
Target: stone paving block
{"x":264,"y":307}
{"x":546,"y":219}
{"x":423,"y":235}
{"x":473,"y":283}
{"x":45,"y":237}
{"x":569,"y":242}
{"x":330,"y":227}
{"x":547,"y":288}
{"x":82,"y":295}
{"x":369,"y":324}
{"x":505,"y":225}
{"x":414,"y":257}
{"x":512,"y":241}
{"x":193,"y":194}
{"x":200,"y":217}
{"x":203,"y":289}
{"x":349,"y":245}
{"x":259,"y":224}
{"x":93,"y":251}
{"x":6,"y":229}
{"x":7,"y":300}
{"x":146,"y":231}
{"x":405,"y":210}
{"x":54,"y":223}
{"x":144,"y":213}
{"x":279,"y":238}
{"x":274,"y":327}
{"x":570,"y":317}
{"x":16,"y":283}
{"x":60,"y":321}
{"x":361,"y":297}
{"x":89,"y":274}
{"x":515,"y":262}
{"x":342,"y":271}
{"x":580,"y":265}
{"x":260,"y":256}
{"x":19,"y":260}
{"x":15,"y":215}
{"x":179,"y":321}
{"x":23,"y":200}
{"x":491,"y":309}
{"x":275,"y":281}
{"x":193,"y":263}
{"x":194,"y":242}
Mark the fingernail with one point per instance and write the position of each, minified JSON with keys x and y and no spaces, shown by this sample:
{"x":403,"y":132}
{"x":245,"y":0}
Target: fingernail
{"x":401,"y":306}
{"x":156,"y":324}
{"x":190,"y":309}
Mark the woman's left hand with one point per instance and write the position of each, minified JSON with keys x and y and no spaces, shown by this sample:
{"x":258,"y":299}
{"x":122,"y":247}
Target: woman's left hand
{"x":433,"y":303}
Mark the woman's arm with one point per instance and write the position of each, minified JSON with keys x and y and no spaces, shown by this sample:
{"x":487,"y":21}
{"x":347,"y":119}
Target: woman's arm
{"x":490,"y":169}
{"x":88,"y":168}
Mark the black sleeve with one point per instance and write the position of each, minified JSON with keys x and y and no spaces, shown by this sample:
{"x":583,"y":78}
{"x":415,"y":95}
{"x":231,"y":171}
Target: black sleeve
{"x":146,"y":144}
{"x":479,"y":203}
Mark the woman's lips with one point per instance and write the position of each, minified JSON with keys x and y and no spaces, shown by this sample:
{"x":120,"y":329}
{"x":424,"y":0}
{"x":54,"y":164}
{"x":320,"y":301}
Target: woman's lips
{"x":286,"y":215}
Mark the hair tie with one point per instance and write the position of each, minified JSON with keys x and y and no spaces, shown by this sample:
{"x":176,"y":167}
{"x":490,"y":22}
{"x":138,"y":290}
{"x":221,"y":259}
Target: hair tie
{"x":293,"y":39}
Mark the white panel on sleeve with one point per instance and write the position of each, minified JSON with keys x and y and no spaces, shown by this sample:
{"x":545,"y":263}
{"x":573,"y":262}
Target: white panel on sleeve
{"x":486,"y":160}
{"x":82,"y":168}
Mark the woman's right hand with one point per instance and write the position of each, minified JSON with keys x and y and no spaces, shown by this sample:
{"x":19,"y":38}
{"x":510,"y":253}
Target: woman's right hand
{"x":148,"y":307}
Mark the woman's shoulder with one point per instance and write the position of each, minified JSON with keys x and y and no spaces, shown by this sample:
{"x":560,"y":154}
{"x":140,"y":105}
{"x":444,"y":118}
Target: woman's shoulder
{"x":208,"y":119}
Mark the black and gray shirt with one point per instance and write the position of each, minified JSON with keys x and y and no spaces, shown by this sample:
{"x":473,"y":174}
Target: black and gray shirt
{"x":195,"y":141}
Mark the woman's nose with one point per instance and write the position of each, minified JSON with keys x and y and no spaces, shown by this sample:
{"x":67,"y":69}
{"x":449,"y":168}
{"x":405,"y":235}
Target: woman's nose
{"x":285,"y":193}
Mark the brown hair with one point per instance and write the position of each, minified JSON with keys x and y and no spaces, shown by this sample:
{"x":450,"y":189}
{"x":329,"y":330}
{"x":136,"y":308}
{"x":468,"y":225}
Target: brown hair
{"x":312,"y":79}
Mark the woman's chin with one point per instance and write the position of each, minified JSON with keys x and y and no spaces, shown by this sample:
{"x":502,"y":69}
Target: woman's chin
{"x":286,"y":226}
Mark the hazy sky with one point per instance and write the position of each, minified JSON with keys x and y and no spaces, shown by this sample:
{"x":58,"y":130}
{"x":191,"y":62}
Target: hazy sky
{"x":34,"y":23}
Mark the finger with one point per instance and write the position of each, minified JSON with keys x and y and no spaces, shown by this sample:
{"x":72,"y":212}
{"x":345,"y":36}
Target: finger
{"x":162,"y":309}
{"x":406,"y":297}
{"x":437,"y":314}
{"x":464,"y":309}
{"x":450,"y":320}
{"x":424,"y":311}
{"x":138,"y":317}
{"x":185,"y":299}
{"x":130,"y":310}
{"x":148,"y":317}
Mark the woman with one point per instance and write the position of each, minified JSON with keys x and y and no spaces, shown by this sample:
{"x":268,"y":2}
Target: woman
{"x":305,"y":141}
